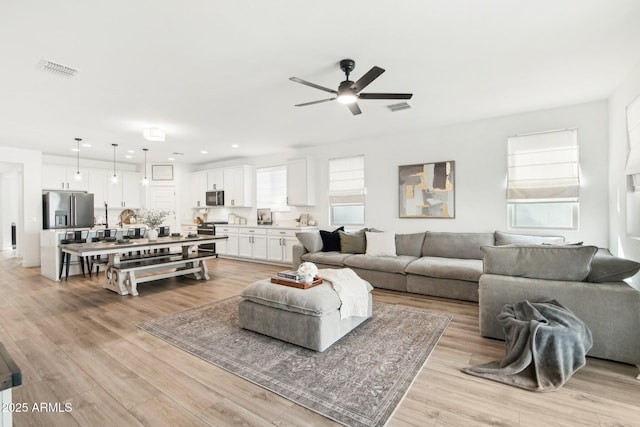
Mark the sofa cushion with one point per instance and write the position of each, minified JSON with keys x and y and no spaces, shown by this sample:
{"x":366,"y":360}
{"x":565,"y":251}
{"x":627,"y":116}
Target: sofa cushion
{"x":327,"y":258}
{"x":409,"y":244}
{"x":606,"y":267}
{"x":331,"y":240}
{"x":381,"y":244}
{"x":352,"y":242}
{"x":456,"y":245}
{"x":395,"y":264}
{"x":503,"y":238}
{"x":316,"y":301}
{"x":447,"y":268}
{"x":539,"y":262}
{"x":311,"y":240}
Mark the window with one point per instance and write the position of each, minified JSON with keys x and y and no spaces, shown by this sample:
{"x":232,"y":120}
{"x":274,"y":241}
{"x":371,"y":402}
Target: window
{"x":271,"y":188}
{"x":346,"y":190}
{"x":543,"y":180}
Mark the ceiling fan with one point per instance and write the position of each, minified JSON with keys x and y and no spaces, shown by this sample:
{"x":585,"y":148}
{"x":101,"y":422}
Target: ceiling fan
{"x":349,"y":92}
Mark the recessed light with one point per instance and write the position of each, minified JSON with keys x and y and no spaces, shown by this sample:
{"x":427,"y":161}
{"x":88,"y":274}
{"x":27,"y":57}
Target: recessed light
{"x":235,"y":146}
{"x":204,"y":152}
{"x":75,"y":149}
{"x":172,"y":158}
{"x":131,"y":151}
{"x":128,"y":156}
{"x":86,"y":145}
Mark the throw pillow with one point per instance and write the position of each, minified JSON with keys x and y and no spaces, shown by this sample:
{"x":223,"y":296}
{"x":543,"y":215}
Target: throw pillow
{"x":311,"y":241}
{"x":331,"y":240}
{"x":381,"y":244}
{"x":353,"y":242}
{"x":606,"y":267}
{"x":548,"y":262}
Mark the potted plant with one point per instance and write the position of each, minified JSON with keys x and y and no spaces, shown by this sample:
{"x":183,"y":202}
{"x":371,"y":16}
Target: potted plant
{"x":152,"y":219}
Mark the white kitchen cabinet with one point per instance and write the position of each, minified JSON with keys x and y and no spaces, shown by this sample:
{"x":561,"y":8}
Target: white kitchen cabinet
{"x":98,"y":182}
{"x":301,"y":182}
{"x":252,"y":243}
{"x":198,"y":188}
{"x":238,"y":186}
{"x":63,"y":178}
{"x":127,"y":192}
{"x":215,"y":179}
{"x":228,"y":246}
{"x":279,"y":245}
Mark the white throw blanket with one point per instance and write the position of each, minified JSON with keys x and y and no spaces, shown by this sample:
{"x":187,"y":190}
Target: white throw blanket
{"x":351,"y":289}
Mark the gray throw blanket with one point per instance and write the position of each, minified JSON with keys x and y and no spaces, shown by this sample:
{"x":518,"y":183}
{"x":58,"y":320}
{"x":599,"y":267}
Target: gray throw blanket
{"x":546,"y":343}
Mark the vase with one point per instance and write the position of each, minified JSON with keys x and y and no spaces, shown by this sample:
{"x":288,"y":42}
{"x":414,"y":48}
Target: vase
{"x":152,"y":234}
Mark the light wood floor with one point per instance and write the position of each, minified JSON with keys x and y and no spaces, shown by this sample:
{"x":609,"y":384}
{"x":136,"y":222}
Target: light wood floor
{"x":77,"y":343}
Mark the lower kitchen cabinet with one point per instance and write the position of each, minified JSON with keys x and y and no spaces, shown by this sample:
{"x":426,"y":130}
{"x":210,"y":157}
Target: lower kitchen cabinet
{"x":252,"y":243}
{"x":280,"y":244}
{"x":228,"y":247}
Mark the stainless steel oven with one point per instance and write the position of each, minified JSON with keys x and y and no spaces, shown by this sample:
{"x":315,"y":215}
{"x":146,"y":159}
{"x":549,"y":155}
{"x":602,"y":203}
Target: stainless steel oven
{"x":208,"y":229}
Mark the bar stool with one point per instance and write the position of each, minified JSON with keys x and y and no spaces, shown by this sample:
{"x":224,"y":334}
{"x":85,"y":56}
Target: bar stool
{"x":65,"y":258}
{"x":96,"y":259}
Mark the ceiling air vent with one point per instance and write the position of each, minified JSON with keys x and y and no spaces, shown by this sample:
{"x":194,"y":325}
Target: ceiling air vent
{"x":399,"y":106}
{"x":58,"y":69}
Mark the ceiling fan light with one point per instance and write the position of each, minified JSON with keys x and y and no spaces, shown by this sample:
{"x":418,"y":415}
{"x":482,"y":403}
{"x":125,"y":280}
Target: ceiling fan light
{"x":154,"y":134}
{"x":346,"y":98}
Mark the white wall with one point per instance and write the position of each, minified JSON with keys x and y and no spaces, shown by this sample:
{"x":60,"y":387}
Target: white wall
{"x":619,"y":191}
{"x":479,"y":150}
{"x":31,"y":204}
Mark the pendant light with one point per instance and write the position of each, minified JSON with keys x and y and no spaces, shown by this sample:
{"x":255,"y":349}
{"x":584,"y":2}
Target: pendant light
{"x":114,"y":178}
{"x":78,"y":176}
{"x":145,"y":181}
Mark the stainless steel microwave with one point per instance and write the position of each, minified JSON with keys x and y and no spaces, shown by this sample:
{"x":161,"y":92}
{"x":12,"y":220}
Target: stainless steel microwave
{"x":215,"y":198}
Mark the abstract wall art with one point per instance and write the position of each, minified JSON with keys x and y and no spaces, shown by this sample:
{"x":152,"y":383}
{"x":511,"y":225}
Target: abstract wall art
{"x":427,"y":190}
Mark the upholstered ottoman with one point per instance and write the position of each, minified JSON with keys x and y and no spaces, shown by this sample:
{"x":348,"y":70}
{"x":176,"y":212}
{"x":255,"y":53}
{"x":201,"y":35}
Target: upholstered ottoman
{"x":306,"y":317}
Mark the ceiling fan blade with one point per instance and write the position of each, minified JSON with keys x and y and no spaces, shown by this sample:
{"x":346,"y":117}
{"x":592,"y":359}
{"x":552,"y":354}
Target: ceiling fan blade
{"x":355,"y":110}
{"x":364,"y":81}
{"x":314,"y":102}
{"x":306,"y":83}
{"x":385,"y":95}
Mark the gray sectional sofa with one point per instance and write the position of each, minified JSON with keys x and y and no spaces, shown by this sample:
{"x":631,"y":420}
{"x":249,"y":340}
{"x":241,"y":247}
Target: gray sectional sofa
{"x":439,"y":264}
{"x":500,"y":268}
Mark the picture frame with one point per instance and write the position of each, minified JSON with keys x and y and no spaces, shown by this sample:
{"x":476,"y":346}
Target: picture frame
{"x":304,"y":220}
{"x":264,"y":217}
{"x":162,"y":172}
{"x":427,"y":190}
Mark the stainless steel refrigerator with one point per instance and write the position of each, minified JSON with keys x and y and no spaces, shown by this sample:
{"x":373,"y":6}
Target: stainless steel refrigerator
{"x":66,"y":209}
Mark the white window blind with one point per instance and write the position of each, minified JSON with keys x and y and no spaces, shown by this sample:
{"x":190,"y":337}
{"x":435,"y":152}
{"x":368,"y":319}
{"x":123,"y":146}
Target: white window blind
{"x":543,"y":167}
{"x":347,"y":190}
{"x":633,"y":132}
{"x":271,"y":188}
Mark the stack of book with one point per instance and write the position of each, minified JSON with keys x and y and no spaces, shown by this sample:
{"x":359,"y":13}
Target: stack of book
{"x":294,"y":279}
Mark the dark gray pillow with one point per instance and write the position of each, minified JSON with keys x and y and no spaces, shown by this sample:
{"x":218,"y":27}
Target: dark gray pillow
{"x":571,"y":263}
{"x":310,"y":240}
{"x":409,"y":244}
{"x":503,"y":238}
{"x":606,"y":267}
{"x":353,"y":242}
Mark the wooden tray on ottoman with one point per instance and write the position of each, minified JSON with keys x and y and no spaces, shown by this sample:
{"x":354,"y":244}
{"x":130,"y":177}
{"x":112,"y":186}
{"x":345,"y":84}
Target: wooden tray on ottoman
{"x":296,"y":284}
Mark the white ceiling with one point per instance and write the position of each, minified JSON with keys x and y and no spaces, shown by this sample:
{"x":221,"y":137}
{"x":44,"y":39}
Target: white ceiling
{"x":214,"y":73}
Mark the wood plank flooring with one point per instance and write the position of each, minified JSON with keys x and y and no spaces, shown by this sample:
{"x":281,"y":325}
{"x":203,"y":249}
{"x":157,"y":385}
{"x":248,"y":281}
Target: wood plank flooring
{"x":76,"y":343}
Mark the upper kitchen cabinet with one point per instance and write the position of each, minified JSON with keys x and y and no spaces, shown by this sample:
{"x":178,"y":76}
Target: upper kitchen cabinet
{"x":215,"y":179}
{"x":98,"y":182}
{"x":127,"y":192}
{"x":198,"y":189}
{"x":63,"y":178}
{"x":238,"y":186}
{"x":301,"y":182}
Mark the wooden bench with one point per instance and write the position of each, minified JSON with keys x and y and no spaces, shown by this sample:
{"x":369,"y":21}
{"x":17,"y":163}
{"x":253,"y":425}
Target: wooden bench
{"x":125,"y":274}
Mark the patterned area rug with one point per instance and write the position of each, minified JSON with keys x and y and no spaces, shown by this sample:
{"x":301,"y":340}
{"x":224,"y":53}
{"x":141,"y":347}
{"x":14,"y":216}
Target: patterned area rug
{"x":358,"y":381}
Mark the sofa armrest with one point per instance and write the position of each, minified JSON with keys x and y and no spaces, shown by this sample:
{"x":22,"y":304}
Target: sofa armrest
{"x":297,"y":251}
